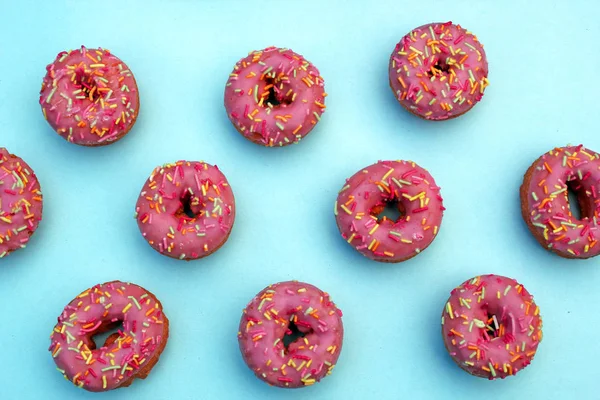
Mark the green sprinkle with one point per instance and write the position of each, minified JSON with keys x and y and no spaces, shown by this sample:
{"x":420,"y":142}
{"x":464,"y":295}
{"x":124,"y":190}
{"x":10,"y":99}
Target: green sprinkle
{"x":50,"y":95}
{"x":492,"y":370}
{"x":479,"y":323}
{"x":136,"y":302}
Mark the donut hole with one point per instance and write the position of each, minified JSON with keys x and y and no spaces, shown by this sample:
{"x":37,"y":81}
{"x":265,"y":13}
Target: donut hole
{"x":189,"y":206}
{"x":441,"y":67}
{"x":87,"y":84}
{"x":293,"y":333}
{"x":492,"y":327}
{"x":578,"y":200}
{"x":389,"y":211}
{"x":276,"y":93}
{"x":106,"y":334}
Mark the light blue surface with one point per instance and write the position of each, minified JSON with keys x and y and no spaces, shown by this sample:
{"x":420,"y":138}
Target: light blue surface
{"x":544,"y":63}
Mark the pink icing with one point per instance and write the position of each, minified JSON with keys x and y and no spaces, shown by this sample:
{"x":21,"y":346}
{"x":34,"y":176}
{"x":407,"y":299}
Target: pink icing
{"x":491,"y":326}
{"x":398,"y":182}
{"x":271,"y":76}
{"x":545,"y":198}
{"x":438,"y":71}
{"x":139,"y":343}
{"x":89,"y":97}
{"x":265,"y":322}
{"x":20,"y":203}
{"x":161,"y":209}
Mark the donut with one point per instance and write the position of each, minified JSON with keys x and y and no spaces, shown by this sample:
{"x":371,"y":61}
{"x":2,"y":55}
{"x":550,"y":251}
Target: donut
{"x":89,"y":97}
{"x":20,"y":203}
{"x":274,"y":97}
{"x":491,"y":326}
{"x":400,"y":184}
{"x":291,"y":334}
{"x":545,"y":202}
{"x":438,"y":71}
{"x":186,"y":209}
{"x":129,"y":354}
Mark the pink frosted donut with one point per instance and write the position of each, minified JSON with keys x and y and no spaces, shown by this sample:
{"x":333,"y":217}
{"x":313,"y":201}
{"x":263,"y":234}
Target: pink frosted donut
{"x":291,"y":334}
{"x":545,"y":201}
{"x":491,"y":326}
{"x":129,"y":354}
{"x":401,"y":184}
{"x":274,"y":97}
{"x":438,"y":71}
{"x":186,"y":209}
{"x":20,"y":203}
{"x":89,"y":97}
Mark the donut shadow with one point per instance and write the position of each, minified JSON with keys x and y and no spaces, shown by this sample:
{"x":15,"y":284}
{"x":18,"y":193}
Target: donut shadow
{"x":292,"y":154}
{"x":410,"y":124}
{"x":554,"y":261}
{"x":353,"y":257}
{"x":454,"y":376}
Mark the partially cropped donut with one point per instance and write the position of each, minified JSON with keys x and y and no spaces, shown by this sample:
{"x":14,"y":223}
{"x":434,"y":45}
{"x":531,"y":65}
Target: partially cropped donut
{"x":545,"y":202}
{"x":400,"y":184}
{"x":186,"y":209}
{"x":89,"y":97}
{"x":127,"y":355}
{"x":438,"y":71}
{"x":491,"y":326}
{"x":291,"y":334}
{"x":20,"y":203}
{"x":274,"y":97}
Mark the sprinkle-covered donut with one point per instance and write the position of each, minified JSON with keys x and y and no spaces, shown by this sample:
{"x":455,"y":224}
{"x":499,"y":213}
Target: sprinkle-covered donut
{"x":491,"y":326}
{"x":545,"y":201}
{"x":186,"y":209}
{"x":401,"y":184}
{"x":20,"y":203}
{"x":274,"y":97}
{"x":438,"y":71}
{"x":89,"y":97}
{"x":129,"y":354}
{"x":291,"y":334}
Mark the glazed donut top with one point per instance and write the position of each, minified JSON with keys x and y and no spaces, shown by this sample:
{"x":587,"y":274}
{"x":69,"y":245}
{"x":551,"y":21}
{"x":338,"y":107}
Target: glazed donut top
{"x":491,"y":326}
{"x":439,"y":71}
{"x":162,"y":216}
{"x":89,"y":97}
{"x":265,"y":322}
{"x":367,"y":192}
{"x":20,"y":203}
{"x":105,"y":368}
{"x":275,"y":96}
{"x":548,"y":202}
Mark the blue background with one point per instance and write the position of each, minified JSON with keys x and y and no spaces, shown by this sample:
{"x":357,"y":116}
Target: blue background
{"x":544,"y":62}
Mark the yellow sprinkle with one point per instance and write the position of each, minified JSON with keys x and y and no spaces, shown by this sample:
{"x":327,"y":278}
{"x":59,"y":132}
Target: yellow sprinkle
{"x":374,"y":229}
